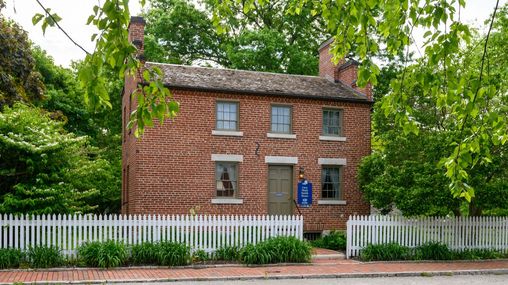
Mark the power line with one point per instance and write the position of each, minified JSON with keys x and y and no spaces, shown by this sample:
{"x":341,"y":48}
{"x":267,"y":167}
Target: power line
{"x":61,"y":29}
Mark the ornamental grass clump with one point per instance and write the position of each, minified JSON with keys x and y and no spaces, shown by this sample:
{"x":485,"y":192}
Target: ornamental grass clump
{"x":103,"y":254}
{"x":173,"y":254}
{"x":227,"y":253}
{"x":10,"y":258}
{"x":145,"y":253}
{"x":386,"y":251}
{"x":276,"y":250}
{"x":334,"y":241}
{"x":432,"y":251}
{"x":44,"y":257}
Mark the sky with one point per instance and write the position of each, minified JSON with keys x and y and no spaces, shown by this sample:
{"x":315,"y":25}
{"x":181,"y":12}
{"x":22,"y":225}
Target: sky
{"x":74,"y":14}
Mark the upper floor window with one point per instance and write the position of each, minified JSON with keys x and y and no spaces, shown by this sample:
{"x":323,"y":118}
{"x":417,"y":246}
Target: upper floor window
{"x":332,"y":122}
{"x":281,"y":119}
{"x":227,"y":116}
{"x":226,"y":178}
{"x":330,"y":182}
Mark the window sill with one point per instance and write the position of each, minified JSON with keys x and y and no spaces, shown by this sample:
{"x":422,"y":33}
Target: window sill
{"x":332,"y":138}
{"x":331,"y":202}
{"x":227,"y":133}
{"x":280,"y":136}
{"x":227,"y":201}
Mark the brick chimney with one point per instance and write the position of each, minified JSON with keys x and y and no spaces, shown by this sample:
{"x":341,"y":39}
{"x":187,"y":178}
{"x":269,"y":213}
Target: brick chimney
{"x":137,"y":35}
{"x":345,"y":71}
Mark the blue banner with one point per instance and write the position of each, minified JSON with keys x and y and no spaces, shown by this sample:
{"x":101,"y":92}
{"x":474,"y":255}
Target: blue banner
{"x":304,"y":194}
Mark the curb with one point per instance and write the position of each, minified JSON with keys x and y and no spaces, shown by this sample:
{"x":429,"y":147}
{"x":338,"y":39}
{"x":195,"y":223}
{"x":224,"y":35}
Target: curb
{"x":281,"y":277}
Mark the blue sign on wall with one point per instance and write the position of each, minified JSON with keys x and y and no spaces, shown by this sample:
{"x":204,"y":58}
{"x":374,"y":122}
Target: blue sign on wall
{"x":304,"y":193}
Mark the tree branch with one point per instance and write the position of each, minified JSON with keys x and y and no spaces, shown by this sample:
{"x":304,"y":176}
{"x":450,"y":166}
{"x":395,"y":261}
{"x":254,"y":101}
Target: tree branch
{"x":61,"y":29}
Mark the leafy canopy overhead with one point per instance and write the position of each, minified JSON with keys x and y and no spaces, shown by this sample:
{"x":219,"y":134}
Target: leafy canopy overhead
{"x":265,"y":38}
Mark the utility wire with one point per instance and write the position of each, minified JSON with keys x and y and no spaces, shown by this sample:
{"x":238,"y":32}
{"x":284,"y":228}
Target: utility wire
{"x":61,"y":29}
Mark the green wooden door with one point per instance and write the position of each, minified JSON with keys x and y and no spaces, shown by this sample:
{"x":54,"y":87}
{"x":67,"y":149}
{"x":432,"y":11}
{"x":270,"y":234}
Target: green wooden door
{"x":280,"y":194}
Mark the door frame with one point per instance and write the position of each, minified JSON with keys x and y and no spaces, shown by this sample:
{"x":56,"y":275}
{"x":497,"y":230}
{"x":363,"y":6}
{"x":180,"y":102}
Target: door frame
{"x":291,"y":191}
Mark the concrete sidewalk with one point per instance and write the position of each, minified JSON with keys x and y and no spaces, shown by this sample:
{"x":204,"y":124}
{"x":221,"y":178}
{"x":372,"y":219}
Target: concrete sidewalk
{"x":318,"y":269}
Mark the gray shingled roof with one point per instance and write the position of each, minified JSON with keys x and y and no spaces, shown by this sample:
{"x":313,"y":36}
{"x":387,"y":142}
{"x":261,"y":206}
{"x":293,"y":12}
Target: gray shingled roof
{"x":251,"y":82}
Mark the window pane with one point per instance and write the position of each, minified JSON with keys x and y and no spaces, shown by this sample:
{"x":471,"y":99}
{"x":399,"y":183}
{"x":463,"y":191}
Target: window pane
{"x":220,"y":107}
{"x":220,"y":125}
{"x":281,"y":119}
{"x":226,"y":179}
{"x":330,"y":179}
{"x":331,"y":122}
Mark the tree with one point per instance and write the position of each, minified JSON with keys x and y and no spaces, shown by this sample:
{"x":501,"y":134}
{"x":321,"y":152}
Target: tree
{"x":262,"y":39}
{"x":103,"y":129}
{"x":18,"y":80}
{"x":39,"y":159}
{"x":406,"y":170}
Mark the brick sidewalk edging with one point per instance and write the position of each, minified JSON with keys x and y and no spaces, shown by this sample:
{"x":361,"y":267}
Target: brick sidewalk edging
{"x":339,"y":269}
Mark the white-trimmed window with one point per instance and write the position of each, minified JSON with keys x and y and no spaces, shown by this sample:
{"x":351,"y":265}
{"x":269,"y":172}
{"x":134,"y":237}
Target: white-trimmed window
{"x":332,"y":122}
{"x":331,"y":177}
{"x":227,"y":116}
{"x":226,"y":178}
{"x":281,"y":119}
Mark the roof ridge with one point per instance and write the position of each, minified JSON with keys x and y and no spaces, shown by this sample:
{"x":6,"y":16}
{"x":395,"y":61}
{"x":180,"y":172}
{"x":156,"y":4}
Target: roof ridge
{"x":236,"y":70}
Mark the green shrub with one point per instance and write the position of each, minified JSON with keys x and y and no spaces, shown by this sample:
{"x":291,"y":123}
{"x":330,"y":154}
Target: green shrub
{"x":334,"y":240}
{"x":387,"y":251}
{"x":432,"y":251}
{"x":199,"y":256}
{"x":10,"y":258}
{"x":477,"y":254}
{"x":44,"y":257}
{"x":173,"y":254}
{"x":103,"y":254}
{"x":276,"y":250}
{"x":227,"y":253}
{"x":145,"y":253}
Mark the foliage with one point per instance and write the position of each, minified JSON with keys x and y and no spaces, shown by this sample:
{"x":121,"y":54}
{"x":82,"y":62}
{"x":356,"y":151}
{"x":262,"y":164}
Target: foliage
{"x":173,"y":254}
{"x":387,"y":251}
{"x":276,"y":250}
{"x":432,"y":251}
{"x":427,"y":251}
{"x":39,"y":164}
{"x":44,"y":257}
{"x":200,"y":256}
{"x":261,"y":39}
{"x":227,"y":253}
{"x":145,"y":253}
{"x":406,"y":171}
{"x":10,"y":258}
{"x":334,"y":240}
{"x":103,"y":254}
{"x":18,"y":79}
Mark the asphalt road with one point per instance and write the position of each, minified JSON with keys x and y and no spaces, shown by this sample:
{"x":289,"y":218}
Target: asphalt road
{"x":437,"y":280}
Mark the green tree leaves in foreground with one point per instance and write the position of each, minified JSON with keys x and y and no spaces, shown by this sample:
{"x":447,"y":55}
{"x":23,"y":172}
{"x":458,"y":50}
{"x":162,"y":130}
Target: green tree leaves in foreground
{"x":403,"y":170}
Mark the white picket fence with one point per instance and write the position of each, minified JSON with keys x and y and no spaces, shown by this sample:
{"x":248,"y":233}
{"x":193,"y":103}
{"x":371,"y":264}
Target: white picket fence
{"x":458,"y":233}
{"x":209,"y":233}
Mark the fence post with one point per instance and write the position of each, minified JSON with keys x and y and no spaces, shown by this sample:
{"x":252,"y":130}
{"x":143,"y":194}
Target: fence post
{"x":349,"y":238}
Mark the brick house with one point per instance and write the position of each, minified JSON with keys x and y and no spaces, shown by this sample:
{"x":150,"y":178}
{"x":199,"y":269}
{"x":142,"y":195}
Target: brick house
{"x":243,"y":138}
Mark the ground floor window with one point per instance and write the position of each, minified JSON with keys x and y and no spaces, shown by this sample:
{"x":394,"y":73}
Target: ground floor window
{"x":226,"y":178}
{"x":331,"y":182}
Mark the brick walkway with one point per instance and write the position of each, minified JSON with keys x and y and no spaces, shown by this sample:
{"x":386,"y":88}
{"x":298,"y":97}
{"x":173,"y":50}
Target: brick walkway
{"x":330,"y":268}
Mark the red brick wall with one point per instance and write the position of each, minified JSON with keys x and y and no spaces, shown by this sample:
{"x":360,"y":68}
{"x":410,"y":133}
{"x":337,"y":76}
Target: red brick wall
{"x":347,"y":75}
{"x":174,"y":171}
